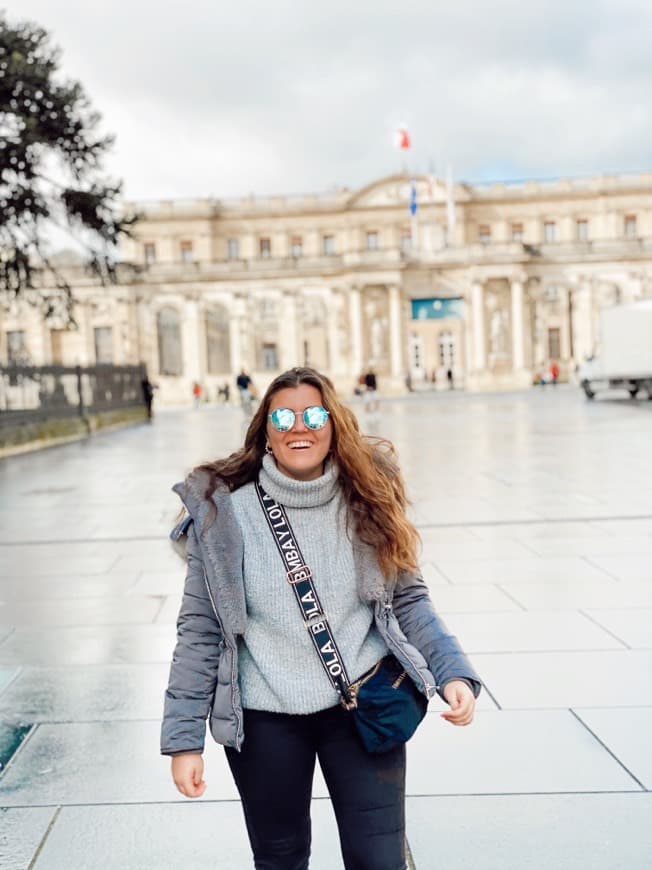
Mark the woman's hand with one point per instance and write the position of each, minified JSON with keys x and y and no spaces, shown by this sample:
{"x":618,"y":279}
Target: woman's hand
{"x":187,"y":772}
{"x":461,"y":701}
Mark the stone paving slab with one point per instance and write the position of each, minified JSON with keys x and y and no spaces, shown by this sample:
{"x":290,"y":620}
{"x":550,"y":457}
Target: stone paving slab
{"x":83,"y":645}
{"x":511,"y":752}
{"x":48,"y":587}
{"x":528,"y":631}
{"x":86,"y":694}
{"x":472,"y":599}
{"x":433,"y":576}
{"x":160,"y":582}
{"x":567,"y":546}
{"x":550,"y":570}
{"x":169,"y":610}
{"x":102,"y":762}
{"x":531,"y":832}
{"x":500,"y":548}
{"x":628,"y":734}
{"x":21,"y":831}
{"x":526,"y":532}
{"x":633,"y":627}
{"x":80,"y":612}
{"x":169,"y":836}
{"x":576,"y":594}
{"x":549,"y":680}
{"x":6,"y":676}
{"x":630,"y":567}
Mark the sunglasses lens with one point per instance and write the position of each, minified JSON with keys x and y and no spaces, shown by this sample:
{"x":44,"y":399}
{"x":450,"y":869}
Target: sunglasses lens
{"x":282,"y":419}
{"x":315,"y":417}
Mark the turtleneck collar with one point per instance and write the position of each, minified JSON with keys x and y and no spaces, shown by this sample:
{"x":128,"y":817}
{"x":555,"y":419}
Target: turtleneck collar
{"x":298,"y":493}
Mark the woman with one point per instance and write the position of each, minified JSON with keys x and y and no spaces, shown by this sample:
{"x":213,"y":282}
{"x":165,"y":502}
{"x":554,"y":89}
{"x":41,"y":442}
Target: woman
{"x":244,"y":658}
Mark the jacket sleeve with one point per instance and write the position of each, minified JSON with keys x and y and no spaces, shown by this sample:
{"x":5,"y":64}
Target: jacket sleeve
{"x":426,"y":631}
{"x":193,"y":673}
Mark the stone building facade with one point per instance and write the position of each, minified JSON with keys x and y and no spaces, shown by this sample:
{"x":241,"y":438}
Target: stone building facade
{"x":491,"y":282}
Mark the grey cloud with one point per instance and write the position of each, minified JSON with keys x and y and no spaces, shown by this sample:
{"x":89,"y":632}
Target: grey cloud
{"x":290,"y":95}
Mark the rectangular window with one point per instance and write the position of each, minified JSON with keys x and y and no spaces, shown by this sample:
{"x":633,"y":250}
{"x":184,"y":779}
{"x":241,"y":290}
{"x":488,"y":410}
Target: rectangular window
{"x":372,"y":240}
{"x":484,"y":234}
{"x":265,"y":248}
{"x":517,"y":232}
{"x":149,"y":250}
{"x":549,"y":231}
{"x":582,"y":228}
{"x":296,"y":246}
{"x":16,"y":348}
{"x":405,"y":240}
{"x":328,"y":245}
{"x":630,"y":226}
{"x":233,"y":249}
{"x":270,"y":357}
{"x":554,"y":343}
{"x":103,"y":344}
{"x":186,"y":252}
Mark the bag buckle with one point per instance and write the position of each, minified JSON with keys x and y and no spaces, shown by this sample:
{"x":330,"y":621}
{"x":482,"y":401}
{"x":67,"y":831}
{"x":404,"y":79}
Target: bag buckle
{"x":350,"y":700}
{"x":298,"y":574}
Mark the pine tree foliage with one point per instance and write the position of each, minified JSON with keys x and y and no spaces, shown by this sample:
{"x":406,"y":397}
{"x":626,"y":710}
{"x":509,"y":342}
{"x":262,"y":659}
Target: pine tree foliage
{"x":51,"y":173}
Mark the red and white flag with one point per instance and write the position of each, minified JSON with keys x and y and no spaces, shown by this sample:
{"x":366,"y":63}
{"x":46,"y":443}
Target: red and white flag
{"x":402,"y":138}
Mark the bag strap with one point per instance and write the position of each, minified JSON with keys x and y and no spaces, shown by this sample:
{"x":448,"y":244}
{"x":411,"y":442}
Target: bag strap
{"x":299,"y":576}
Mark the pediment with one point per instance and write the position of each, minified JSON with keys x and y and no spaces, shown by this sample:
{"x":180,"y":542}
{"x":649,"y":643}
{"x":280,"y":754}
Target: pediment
{"x":395,"y":190}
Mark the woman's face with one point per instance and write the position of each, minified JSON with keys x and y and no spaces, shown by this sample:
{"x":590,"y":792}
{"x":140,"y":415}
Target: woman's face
{"x":300,"y":452}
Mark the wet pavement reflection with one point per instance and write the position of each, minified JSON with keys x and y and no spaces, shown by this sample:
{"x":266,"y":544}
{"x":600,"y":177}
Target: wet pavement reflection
{"x":535,"y":511}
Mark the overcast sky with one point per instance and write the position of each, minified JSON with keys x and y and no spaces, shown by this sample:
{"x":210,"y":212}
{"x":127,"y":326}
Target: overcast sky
{"x":286,"y":96}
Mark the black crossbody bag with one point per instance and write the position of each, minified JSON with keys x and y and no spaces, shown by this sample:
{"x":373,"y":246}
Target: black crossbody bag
{"x":385,"y":704}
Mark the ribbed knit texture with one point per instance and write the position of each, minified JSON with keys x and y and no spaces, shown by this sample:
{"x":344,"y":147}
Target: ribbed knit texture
{"x":278,"y":666}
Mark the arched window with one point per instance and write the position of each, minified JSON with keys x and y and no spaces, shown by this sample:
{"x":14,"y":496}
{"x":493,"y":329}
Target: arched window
{"x":169,"y":342}
{"x":218,"y":345}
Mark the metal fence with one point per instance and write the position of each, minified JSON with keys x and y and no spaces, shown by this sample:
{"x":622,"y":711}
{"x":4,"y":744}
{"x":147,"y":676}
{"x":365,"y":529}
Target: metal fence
{"x":31,"y":394}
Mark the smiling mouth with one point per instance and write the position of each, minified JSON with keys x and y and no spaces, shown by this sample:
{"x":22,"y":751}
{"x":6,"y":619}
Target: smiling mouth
{"x":299,"y":445}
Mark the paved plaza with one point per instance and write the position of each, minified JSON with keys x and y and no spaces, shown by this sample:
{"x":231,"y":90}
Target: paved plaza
{"x":535,"y":511}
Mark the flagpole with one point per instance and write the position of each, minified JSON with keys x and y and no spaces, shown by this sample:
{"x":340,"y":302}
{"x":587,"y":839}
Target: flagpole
{"x":403,"y":143}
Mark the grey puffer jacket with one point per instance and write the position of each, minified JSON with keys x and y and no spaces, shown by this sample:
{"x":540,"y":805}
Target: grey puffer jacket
{"x":203,"y":680}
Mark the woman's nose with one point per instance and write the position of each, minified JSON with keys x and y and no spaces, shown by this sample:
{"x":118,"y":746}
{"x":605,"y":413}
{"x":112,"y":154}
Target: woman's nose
{"x":299,"y":422}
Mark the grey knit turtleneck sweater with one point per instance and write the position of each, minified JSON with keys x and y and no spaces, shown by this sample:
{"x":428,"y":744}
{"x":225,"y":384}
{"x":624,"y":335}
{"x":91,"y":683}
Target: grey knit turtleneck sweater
{"x":278,"y":667}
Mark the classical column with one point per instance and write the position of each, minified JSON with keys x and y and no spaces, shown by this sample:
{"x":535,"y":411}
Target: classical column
{"x":477,"y":307}
{"x":289,"y":356}
{"x":234,"y":339}
{"x":564,"y":333}
{"x":335,"y":360}
{"x":518,"y":350}
{"x":395,"y":343}
{"x":191,"y":343}
{"x":355,"y":321}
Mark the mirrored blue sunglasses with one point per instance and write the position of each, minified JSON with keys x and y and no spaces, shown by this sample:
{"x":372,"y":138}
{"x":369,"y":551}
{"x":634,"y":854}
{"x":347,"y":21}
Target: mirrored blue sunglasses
{"x":315,"y":417}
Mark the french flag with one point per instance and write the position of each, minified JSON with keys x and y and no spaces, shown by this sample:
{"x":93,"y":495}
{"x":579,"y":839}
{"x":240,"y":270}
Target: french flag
{"x":413,"y":198}
{"x":402,"y":138}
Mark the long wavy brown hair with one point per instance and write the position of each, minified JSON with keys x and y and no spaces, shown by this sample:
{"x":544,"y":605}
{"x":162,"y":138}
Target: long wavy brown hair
{"x":369,"y":476}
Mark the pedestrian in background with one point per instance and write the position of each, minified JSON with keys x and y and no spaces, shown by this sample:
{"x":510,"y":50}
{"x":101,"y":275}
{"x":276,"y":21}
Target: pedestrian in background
{"x":371,"y":394}
{"x":244,"y":659}
{"x":196,"y":394}
{"x":148,"y":388}
{"x":245,"y":386}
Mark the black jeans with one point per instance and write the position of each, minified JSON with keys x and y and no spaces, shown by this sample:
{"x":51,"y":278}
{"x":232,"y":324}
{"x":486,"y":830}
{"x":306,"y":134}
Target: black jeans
{"x":274,"y":773}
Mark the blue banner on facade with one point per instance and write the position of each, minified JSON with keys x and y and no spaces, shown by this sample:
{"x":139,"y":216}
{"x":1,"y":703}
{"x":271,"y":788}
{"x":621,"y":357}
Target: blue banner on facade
{"x":437,"y":307}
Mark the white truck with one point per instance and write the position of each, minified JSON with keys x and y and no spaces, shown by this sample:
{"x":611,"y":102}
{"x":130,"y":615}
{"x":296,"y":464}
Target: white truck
{"x":625,"y":360}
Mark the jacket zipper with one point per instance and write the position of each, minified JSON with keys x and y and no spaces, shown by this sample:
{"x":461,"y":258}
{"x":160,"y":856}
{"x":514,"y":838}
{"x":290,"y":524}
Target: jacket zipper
{"x":234,"y":675}
{"x":421,"y":685}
